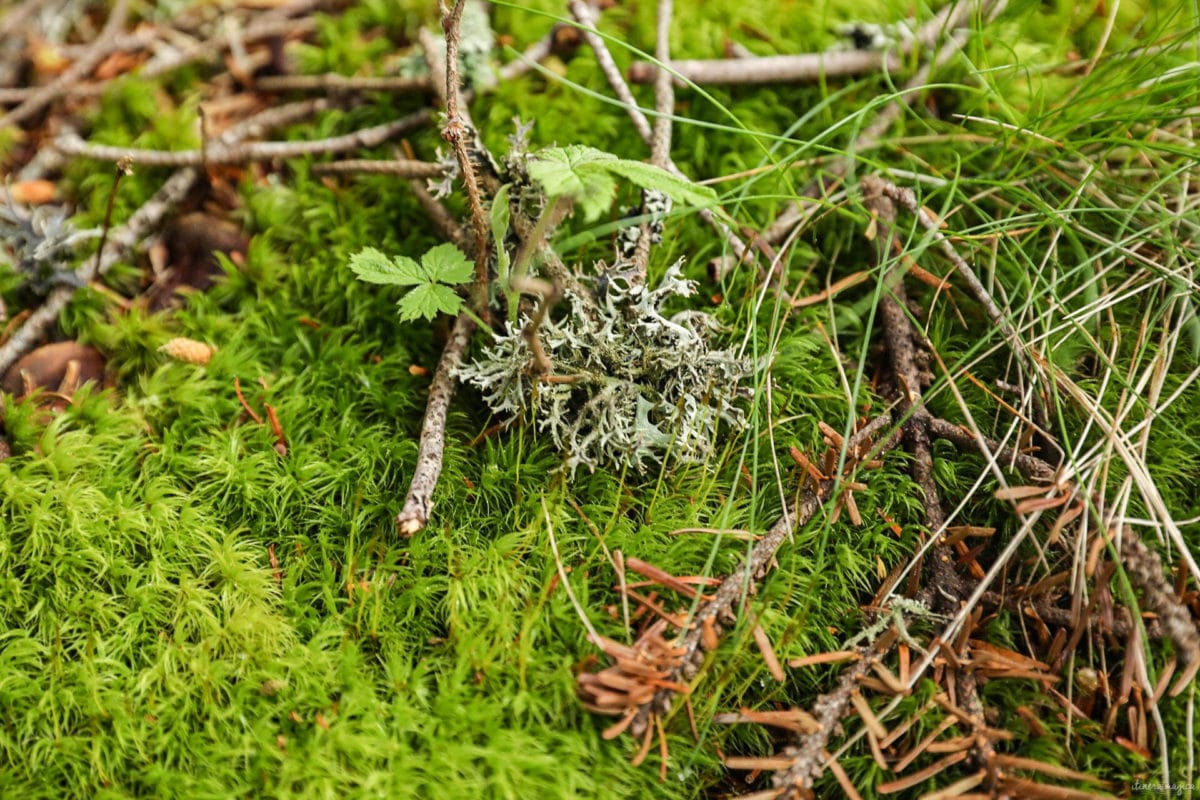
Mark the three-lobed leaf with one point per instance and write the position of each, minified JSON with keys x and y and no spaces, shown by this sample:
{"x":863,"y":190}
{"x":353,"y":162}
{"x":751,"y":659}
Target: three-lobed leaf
{"x":447,"y":264}
{"x":373,"y":266}
{"x":588,"y":176}
{"x":428,"y":300}
{"x":441,"y":268}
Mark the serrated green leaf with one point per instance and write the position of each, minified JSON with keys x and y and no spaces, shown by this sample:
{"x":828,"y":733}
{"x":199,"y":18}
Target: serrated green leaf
{"x":447,"y":264}
{"x":648,"y":176}
{"x":500,"y":217}
{"x":577,"y":172}
{"x":427,"y":301}
{"x":373,"y":266}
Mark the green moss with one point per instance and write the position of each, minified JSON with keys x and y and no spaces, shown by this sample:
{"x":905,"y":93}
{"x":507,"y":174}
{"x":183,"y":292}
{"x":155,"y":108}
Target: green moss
{"x":186,"y":612}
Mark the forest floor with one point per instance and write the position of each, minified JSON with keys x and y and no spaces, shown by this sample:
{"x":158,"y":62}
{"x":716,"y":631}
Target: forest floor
{"x":890,"y":491}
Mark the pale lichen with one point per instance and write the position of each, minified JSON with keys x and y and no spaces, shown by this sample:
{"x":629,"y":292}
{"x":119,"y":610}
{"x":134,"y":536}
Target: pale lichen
{"x":630,"y":384}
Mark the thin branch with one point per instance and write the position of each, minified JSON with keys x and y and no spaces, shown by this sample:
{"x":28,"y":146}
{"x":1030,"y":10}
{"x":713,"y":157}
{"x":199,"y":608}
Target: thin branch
{"x":802,"y":68}
{"x":458,"y":132}
{"x":944,"y":584}
{"x":419,"y":502}
{"x":1031,"y":467}
{"x":403,"y":168}
{"x":95,"y":53}
{"x":293,"y":19}
{"x":660,"y":144}
{"x":585,"y":15}
{"x":222,"y":153}
{"x":335,"y":83}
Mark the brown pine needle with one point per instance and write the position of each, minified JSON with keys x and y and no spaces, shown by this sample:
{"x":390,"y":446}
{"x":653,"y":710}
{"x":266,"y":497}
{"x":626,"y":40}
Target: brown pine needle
{"x":924,"y":744}
{"x":661,"y":576}
{"x":768,"y":654}
{"x":662,"y":749}
{"x":793,"y":719}
{"x":237,"y":388}
{"x":835,"y":288}
{"x":617,"y":728}
{"x":868,"y":716}
{"x":644,"y":750}
{"x":1054,"y":770}
{"x":921,"y":776}
{"x":1020,"y":787}
{"x":835,"y":657}
{"x":959,"y":787}
{"x":764,"y":763}
{"x":842,"y":778}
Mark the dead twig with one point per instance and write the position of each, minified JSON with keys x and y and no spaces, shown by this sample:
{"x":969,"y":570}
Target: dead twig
{"x":403,"y":168}
{"x":900,"y":335}
{"x":222,"y":152}
{"x":335,"y":83}
{"x":660,"y":143}
{"x":802,"y":68}
{"x":419,"y":502}
{"x":1032,"y":467}
{"x":95,"y":53}
{"x":548,"y":294}
{"x":460,"y":133}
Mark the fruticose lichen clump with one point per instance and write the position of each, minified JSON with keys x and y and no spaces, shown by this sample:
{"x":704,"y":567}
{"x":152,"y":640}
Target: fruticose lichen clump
{"x":629,"y":384}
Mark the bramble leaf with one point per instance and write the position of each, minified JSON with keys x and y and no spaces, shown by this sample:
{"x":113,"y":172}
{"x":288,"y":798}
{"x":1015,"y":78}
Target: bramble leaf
{"x":589,"y":176}
{"x":373,"y":266}
{"x":500,"y":217}
{"x":648,"y":176}
{"x":576,"y":171}
{"x":447,"y":264}
{"x":427,"y":301}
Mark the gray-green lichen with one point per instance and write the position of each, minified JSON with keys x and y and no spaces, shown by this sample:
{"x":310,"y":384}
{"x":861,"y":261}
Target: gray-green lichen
{"x":629,"y":385}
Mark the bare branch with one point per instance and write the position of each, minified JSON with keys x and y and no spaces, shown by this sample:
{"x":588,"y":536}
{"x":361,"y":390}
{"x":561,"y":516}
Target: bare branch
{"x":335,"y":83}
{"x":458,"y":131}
{"x":419,"y":503}
{"x":402,"y":168}
{"x":232,"y":153}
{"x":803,"y":68}
{"x":899,"y":334}
{"x":1031,"y":467}
{"x":95,"y":53}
